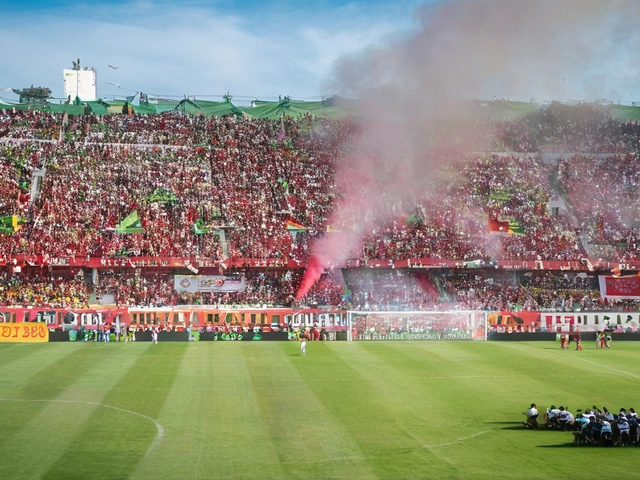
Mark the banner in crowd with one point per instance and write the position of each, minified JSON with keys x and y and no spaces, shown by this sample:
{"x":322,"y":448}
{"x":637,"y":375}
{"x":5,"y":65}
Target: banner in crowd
{"x":24,"y":332}
{"x":147,"y":262}
{"x":620,"y":288}
{"x":209,"y":283}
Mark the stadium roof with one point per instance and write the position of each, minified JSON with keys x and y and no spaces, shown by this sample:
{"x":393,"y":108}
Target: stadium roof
{"x":333,"y":107}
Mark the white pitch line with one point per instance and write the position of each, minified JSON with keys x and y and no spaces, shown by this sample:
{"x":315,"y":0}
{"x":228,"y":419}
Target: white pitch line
{"x":606,"y":366}
{"x":457,"y":440}
{"x":160,"y":428}
{"x":468,"y":376}
{"x":363,"y":457}
{"x":588,"y":361}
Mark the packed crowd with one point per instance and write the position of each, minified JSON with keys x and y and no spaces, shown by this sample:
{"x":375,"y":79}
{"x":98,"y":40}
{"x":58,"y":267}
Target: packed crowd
{"x":39,"y":287}
{"x":242,"y":183}
{"x":240,"y":179}
{"x":604,"y":194}
{"x":468,"y":290}
{"x":360,"y":289}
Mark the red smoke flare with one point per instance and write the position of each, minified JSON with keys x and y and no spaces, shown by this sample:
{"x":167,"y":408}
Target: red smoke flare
{"x":311,"y":275}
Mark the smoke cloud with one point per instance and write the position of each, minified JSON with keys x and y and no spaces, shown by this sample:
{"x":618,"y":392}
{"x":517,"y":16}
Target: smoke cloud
{"x":414,"y":91}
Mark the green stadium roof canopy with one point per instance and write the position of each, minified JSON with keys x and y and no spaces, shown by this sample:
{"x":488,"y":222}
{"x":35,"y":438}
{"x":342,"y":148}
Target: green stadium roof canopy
{"x":333,"y":107}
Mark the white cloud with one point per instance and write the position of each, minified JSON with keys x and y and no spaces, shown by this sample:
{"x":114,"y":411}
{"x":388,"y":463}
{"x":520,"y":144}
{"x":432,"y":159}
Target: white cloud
{"x":165,"y":49}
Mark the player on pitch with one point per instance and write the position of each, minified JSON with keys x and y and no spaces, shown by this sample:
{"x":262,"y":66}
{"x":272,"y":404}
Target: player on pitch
{"x":303,"y":343}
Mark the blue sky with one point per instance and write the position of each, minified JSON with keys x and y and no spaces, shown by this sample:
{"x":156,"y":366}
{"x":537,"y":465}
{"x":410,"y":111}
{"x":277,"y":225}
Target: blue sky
{"x":251,"y":49}
{"x":414,"y":50}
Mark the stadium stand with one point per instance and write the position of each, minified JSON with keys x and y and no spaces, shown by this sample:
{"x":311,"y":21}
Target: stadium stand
{"x":114,"y":206}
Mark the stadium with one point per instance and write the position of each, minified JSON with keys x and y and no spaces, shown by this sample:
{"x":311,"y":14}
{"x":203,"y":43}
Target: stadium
{"x":186,"y":226}
{"x":427,"y":270}
{"x":177,"y":212}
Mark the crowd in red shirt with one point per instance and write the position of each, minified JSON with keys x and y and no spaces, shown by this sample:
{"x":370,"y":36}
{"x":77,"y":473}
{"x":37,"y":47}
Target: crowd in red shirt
{"x":243,"y":178}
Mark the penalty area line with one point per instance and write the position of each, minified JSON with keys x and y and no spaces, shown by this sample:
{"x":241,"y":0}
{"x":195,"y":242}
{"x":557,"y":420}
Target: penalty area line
{"x":160,"y":429}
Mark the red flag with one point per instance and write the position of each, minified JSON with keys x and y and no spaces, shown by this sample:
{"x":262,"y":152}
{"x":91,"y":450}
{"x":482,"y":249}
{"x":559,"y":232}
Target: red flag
{"x":497,"y":226}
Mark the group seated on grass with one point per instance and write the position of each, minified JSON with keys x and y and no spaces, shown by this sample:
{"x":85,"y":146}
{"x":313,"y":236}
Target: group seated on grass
{"x":229,"y":185}
{"x":593,"y":426}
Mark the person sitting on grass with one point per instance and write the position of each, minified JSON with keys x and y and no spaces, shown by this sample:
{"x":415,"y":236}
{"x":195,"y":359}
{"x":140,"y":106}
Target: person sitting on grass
{"x":565,"y":419}
{"x":580,"y":421}
{"x":632,"y":420}
{"x":532,"y":417}
{"x":591,"y":432}
{"x":585,"y":434}
{"x":623,"y":428}
{"x":551,"y":417}
{"x":606,"y":434}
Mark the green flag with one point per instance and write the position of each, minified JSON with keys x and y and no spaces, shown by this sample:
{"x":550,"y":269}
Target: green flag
{"x":131,"y":224}
{"x":200,"y":228}
{"x":515,"y":229}
{"x":11,"y":224}
{"x":162,"y":195}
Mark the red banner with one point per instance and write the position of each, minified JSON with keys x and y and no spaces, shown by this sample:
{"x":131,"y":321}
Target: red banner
{"x":196,"y":263}
{"x":620,"y":288}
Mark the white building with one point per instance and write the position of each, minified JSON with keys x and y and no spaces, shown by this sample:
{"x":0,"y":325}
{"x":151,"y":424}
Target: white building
{"x":80,"y":83}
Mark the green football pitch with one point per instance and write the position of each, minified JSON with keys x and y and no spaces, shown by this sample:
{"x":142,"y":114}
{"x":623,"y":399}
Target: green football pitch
{"x":256,"y":410}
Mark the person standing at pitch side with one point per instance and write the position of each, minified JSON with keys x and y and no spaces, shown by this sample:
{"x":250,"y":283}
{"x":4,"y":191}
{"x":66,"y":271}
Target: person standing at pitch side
{"x":303,"y":343}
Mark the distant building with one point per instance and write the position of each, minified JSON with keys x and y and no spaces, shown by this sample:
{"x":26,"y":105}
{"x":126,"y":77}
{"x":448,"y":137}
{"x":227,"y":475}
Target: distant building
{"x":80,"y":83}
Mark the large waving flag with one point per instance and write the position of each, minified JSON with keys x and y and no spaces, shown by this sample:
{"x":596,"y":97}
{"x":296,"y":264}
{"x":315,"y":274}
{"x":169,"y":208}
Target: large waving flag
{"x":496,"y":226}
{"x":512,"y":227}
{"x":162,"y":195}
{"x":11,"y":224}
{"x":295,"y":229}
{"x":515,"y":228}
{"x":200,"y":227}
{"x":130,"y":224}
{"x":294,"y":226}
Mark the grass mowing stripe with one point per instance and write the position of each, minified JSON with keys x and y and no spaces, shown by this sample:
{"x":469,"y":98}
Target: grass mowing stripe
{"x":299,"y":424}
{"x":211,"y":418}
{"x":632,"y":360}
{"x":370,"y":410}
{"x":58,"y":415}
{"x":382,"y":415}
{"x":14,"y":352}
{"x":106,"y":431}
{"x":439,"y":392}
{"x":583,"y":372}
{"x":490,"y":456}
{"x":33,"y":378}
{"x":20,"y":361}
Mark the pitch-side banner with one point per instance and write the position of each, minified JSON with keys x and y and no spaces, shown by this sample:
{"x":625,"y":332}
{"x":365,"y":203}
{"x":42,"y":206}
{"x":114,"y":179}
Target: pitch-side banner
{"x":208,"y":283}
{"x":620,"y":288}
{"x":24,"y":332}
